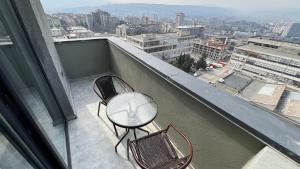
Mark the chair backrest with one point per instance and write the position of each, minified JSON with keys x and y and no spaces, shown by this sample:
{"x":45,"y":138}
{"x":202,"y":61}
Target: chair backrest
{"x":106,"y":86}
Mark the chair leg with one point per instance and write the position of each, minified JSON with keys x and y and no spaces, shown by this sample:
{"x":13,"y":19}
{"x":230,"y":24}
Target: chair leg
{"x":99,"y":109}
{"x":116,"y":130}
{"x":128,"y":149}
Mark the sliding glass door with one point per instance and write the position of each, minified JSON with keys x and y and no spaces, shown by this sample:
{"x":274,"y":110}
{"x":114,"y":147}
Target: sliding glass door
{"x":25,"y":77}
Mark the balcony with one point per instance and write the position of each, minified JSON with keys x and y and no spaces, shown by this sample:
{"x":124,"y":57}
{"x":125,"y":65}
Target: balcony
{"x":226,"y":132}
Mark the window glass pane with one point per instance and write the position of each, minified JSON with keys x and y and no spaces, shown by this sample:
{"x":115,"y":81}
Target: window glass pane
{"x":24,"y":73}
{"x":10,"y":158}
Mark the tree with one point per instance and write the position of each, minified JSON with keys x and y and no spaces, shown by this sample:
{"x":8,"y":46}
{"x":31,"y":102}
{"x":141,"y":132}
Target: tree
{"x":181,"y":59}
{"x":164,"y":57}
{"x":201,"y":63}
{"x":184,"y":62}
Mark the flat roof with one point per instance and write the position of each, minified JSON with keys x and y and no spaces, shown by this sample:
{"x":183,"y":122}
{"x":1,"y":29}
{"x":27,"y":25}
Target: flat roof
{"x":157,"y":36}
{"x":211,"y":44}
{"x":267,"y":51}
{"x":269,"y":94}
{"x":276,"y":42}
{"x":292,"y":105}
{"x":264,"y":94}
{"x":190,"y":26}
{"x":237,"y":82}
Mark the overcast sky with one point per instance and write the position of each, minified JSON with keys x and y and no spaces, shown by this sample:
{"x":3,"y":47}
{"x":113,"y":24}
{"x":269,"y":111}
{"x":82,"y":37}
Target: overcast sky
{"x":240,"y":4}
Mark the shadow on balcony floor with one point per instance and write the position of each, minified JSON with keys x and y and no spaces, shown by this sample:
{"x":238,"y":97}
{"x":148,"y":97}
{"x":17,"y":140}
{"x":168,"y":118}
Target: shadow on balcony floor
{"x":92,"y":139}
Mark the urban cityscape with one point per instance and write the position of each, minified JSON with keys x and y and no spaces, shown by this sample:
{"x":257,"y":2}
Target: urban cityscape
{"x":255,"y":61}
{"x":175,"y":84}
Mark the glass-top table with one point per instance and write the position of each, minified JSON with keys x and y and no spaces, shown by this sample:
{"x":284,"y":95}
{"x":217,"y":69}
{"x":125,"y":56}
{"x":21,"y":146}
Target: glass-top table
{"x":131,"y":110}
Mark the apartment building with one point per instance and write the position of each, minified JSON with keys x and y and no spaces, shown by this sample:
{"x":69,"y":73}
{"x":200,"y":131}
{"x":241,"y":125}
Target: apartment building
{"x":292,"y":30}
{"x":124,"y":30}
{"x":56,"y":32}
{"x":179,"y":19}
{"x":79,"y":32}
{"x":268,"y":59}
{"x":212,"y":48}
{"x":196,"y":30}
{"x":164,"y":46}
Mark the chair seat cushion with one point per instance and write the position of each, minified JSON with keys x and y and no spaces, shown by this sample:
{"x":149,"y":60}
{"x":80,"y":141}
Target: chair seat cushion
{"x":155,"y":150}
{"x":173,"y":164}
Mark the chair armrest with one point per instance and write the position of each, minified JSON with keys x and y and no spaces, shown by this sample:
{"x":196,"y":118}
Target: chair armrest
{"x":190,"y":146}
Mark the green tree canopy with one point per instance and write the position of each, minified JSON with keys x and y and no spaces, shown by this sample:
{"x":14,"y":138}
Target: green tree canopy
{"x":184,"y":62}
{"x":201,"y":63}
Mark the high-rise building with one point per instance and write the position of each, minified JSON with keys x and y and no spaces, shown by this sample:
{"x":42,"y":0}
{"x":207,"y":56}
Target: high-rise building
{"x":145,"y":20}
{"x":268,"y":59}
{"x":102,"y":21}
{"x":166,"y":27}
{"x":54,"y":22}
{"x":179,"y":19}
{"x":121,"y":30}
{"x":131,"y":20}
{"x":292,"y":31}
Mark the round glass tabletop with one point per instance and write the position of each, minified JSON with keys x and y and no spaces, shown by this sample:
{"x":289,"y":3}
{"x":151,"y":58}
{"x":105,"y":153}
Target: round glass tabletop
{"x":131,"y":110}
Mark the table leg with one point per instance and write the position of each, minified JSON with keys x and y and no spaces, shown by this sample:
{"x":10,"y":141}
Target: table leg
{"x":127,"y":131}
{"x":134,"y":133}
{"x":144,"y":130}
{"x":116,"y":131}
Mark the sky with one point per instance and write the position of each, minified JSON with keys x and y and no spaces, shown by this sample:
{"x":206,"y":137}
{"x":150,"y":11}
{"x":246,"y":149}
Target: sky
{"x":238,"y":4}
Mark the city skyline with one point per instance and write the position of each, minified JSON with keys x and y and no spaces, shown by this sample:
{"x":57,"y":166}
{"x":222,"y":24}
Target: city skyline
{"x":235,"y":4}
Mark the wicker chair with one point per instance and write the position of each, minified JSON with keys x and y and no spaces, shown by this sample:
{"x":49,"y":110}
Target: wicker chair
{"x":106,"y":86}
{"x":155,"y":151}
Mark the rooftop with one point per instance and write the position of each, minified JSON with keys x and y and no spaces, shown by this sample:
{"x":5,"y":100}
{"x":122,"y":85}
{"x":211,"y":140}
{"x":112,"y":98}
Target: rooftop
{"x":279,"y":43}
{"x":153,"y":37}
{"x":266,"y":95}
{"x":292,"y":104}
{"x":190,"y":26}
{"x":269,"y":95}
{"x":212,"y":43}
{"x":267,"y":51}
{"x":237,"y":82}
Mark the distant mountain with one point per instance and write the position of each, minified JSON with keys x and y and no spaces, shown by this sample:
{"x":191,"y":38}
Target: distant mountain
{"x":191,"y":11}
{"x":160,"y":10}
{"x":283,"y":14}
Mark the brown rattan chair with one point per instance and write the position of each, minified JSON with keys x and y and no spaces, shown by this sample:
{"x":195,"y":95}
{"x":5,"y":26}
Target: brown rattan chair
{"x":106,"y":86}
{"x":155,"y":151}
